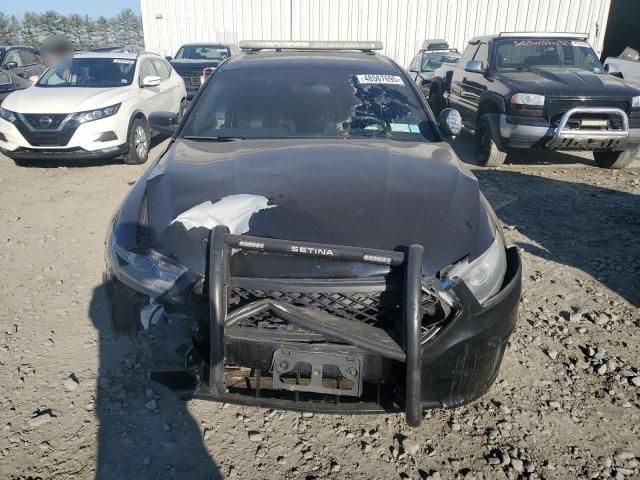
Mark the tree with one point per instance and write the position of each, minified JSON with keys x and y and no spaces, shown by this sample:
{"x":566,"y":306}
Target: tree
{"x":102,"y":31}
{"x":123,"y":29}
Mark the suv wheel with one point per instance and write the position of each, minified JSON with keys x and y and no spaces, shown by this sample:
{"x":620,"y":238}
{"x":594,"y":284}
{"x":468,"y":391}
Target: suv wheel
{"x":615,"y":160}
{"x":139,"y":141}
{"x":487,"y":153}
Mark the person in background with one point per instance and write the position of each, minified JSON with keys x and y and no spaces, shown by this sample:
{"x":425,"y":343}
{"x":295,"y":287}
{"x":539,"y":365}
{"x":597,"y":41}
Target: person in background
{"x":55,"y":49}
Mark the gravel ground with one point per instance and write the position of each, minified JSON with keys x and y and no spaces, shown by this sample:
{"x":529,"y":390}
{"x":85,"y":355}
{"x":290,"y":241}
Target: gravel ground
{"x":77,"y":403}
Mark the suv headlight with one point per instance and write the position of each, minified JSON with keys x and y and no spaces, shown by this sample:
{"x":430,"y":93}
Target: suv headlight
{"x":530,"y":99}
{"x":91,"y":115}
{"x":483,"y":276}
{"x":150,"y":273}
{"x":635,"y":102}
{"x":7,"y":115}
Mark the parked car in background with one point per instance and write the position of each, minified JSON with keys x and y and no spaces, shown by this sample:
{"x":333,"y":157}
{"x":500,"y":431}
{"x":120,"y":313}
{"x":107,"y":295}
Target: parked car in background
{"x":332,"y":250}
{"x":430,"y":57}
{"x":544,"y":91}
{"x":94,"y":105}
{"x":25,"y":62}
{"x":10,"y":82}
{"x":626,"y":65}
{"x":195,"y":61}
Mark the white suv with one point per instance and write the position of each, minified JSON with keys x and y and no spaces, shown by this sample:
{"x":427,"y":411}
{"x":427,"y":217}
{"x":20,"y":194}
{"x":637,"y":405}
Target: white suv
{"x":95,"y":105}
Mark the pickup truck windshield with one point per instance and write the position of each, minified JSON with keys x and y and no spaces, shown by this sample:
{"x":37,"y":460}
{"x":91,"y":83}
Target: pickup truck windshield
{"x":431,"y":61}
{"x":314,"y":101}
{"x":90,"y":73}
{"x":203,"y":52}
{"x":526,"y":54}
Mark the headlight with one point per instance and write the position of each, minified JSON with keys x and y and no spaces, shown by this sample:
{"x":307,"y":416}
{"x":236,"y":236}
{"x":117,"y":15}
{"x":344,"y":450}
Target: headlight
{"x":7,"y":115}
{"x":530,"y":99}
{"x":150,"y":273}
{"x":635,"y":102}
{"x":91,"y":115}
{"x":483,"y":276}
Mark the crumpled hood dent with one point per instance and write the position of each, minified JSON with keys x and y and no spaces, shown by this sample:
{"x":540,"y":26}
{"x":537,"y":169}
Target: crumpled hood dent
{"x":376,"y":194}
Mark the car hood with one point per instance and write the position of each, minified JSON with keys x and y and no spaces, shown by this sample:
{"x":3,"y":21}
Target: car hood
{"x":183,"y":65}
{"x":565,"y":82}
{"x":64,"y":99}
{"x":374,"y":194}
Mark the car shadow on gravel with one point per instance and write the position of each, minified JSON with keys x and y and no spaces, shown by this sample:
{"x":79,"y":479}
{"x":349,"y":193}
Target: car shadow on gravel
{"x":82,"y":163}
{"x":583,"y":226}
{"x":144,"y":430}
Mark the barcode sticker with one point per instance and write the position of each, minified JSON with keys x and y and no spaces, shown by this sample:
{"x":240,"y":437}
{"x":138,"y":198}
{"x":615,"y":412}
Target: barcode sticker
{"x":380,"y":79}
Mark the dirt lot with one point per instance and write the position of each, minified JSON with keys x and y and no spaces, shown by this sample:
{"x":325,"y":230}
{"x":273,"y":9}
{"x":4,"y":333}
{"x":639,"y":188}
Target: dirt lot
{"x":76,"y":401}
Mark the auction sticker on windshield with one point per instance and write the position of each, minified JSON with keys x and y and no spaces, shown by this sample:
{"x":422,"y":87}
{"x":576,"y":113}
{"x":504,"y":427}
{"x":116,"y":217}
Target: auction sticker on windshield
{"x":384,"y":79}
{"x":123,"y":60}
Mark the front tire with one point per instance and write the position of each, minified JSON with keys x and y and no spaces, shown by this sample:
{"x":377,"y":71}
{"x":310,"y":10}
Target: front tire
{"x":139,"y":140}
{"x":615,"y":160}
{"x":487,"y":152}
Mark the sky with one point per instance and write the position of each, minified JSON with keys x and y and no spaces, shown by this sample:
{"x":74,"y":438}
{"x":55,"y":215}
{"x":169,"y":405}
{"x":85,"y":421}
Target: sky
{"x":93,"y":8}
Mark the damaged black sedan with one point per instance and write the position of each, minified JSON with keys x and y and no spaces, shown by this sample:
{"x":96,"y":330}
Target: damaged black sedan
{"x":308,"y":241}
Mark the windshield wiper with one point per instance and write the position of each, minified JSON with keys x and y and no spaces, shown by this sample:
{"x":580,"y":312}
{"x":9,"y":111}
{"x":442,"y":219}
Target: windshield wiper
{"x":200,"y":138}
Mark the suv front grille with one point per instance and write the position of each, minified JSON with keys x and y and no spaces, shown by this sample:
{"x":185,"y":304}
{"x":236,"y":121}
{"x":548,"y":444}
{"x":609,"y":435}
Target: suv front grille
{"x":555,"y":107}
{"x":44,"y":121}
{"x":191,"y":78}
{"x":46,"y":137}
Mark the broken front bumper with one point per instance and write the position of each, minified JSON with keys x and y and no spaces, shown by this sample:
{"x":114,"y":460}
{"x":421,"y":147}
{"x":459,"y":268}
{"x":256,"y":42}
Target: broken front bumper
{"x":328,"y":363}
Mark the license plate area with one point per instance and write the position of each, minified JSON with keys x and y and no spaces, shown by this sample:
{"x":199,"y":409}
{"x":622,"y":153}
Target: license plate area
{"x":318,"y":372}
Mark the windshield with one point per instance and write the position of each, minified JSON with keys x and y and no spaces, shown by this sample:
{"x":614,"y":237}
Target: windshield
{"x":203,"y":52}
{"x":90,"y":72}
{"x":432,"y":61}
{"x":526,"y":54}
{"x":314,"y":101}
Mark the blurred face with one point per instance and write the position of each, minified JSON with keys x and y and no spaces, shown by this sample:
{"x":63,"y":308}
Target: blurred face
{"x":54,"y":57}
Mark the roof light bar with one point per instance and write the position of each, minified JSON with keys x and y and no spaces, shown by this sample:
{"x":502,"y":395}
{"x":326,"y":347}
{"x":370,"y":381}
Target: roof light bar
{"x":256,"y":45}
{"x":435,"y":44}
{"x":581,"y":36}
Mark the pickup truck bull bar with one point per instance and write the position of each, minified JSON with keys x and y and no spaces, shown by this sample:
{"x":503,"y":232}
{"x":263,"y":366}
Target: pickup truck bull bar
{"x":590,"y":138}
{"x":221,"y":244}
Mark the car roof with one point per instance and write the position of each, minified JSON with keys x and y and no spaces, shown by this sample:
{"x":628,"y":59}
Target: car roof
{"x":204,"y":44}
{"x":131,"y":55}
{"x":525,"y":35}
{"x":7,"y":47}
{"x":301,"y":59}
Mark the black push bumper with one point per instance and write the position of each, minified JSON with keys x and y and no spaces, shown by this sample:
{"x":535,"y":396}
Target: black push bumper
{"x":447,"y":366}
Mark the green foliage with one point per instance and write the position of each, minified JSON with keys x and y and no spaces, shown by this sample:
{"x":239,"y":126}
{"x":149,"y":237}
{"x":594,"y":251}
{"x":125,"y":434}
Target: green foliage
{"x":123,"y":29}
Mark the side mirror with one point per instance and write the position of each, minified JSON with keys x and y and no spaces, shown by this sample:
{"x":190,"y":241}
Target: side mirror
{"x":450,"y":122}
{"x":613,"y":69}
{"x":163,"y":122}
{"x":151,"y":81}
{"x":10,"y":65}
{"x":168,"y":58}
{"x":474,"y":66}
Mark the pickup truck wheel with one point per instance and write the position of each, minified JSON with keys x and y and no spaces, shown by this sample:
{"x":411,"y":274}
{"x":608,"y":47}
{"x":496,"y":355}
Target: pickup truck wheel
{"x":139,"y":140}
{"x":615,"y":160}
{"x":487,"y":153}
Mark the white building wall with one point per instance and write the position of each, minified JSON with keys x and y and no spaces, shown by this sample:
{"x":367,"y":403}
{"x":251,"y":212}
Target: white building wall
{"x":401,"y":25}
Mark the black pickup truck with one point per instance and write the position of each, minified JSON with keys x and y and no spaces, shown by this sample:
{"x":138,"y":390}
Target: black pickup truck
{"x":540,"y":91}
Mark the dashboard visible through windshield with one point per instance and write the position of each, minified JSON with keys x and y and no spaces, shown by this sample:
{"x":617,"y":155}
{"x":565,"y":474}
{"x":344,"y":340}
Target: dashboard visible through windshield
{"x":90,"y":73}
{"x":203,"y":52}
{"x":314,"y":101}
